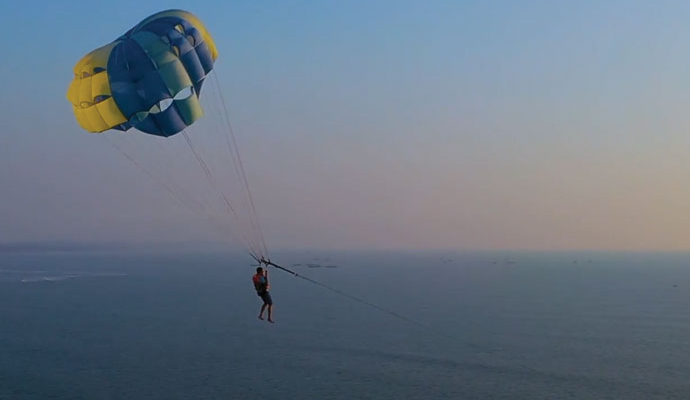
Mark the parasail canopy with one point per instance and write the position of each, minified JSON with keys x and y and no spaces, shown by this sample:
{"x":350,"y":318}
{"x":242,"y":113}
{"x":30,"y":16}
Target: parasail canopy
{"x":149,"y":78}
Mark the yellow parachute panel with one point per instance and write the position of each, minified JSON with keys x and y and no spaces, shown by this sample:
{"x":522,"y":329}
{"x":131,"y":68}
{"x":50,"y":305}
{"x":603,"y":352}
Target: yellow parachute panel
{"x":89,"y":92}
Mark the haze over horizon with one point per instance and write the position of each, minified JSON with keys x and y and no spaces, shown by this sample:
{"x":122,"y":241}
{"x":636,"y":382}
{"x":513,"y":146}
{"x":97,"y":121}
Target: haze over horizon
{"x":381,"y":125}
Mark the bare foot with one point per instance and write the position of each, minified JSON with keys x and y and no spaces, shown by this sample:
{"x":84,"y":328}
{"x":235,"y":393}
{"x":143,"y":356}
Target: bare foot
{"x":271,"y":321}
{"x":261,"y":317}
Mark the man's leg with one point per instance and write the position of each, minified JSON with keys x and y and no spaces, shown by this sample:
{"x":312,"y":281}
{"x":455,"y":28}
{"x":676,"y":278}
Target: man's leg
{"x":261,"y":314}
{"x":270,"y":313}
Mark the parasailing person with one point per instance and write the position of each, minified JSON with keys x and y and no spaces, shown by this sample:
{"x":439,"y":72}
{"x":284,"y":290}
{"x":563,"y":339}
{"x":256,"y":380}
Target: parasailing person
{"x":261,"y":285}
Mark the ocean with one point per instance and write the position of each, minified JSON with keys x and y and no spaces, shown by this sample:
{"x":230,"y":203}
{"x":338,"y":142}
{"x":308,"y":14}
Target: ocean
{"x":512,"y":325}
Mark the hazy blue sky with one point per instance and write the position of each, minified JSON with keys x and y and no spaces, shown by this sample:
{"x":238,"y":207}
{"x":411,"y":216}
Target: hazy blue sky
{"x":381,"y":124}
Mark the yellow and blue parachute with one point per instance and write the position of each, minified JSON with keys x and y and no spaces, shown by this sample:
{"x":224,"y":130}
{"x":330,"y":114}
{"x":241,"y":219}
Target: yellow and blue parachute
{"x":149,"y":78}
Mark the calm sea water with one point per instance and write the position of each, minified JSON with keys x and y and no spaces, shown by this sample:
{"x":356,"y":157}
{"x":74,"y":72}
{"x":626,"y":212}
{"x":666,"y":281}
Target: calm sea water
{"x":520,"y":326}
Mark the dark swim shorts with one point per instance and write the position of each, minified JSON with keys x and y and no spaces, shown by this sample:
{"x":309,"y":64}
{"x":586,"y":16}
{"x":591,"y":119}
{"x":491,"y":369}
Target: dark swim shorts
{"x":266,"y":297}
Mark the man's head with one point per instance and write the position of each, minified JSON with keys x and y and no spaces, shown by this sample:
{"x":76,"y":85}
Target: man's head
{"x":259,"y":270}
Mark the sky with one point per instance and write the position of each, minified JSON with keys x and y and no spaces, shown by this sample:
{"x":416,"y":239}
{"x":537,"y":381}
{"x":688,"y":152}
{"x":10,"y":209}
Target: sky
{"x":469,"y":125}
